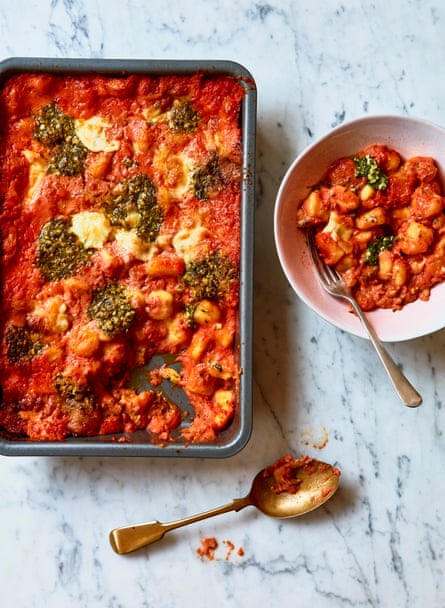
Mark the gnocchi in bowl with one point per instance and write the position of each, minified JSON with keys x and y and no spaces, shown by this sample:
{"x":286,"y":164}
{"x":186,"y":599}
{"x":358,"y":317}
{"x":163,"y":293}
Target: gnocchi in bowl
{"x":373,"y":190}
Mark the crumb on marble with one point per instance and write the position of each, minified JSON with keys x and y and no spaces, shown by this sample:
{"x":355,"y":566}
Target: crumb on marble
{"x":209,"y":546}
{"x":317,"y":441}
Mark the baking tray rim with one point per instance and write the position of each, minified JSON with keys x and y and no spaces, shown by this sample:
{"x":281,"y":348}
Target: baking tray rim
{"x":238,"y":439}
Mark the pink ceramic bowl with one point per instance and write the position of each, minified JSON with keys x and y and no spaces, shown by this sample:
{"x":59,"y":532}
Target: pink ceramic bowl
{"x":410,"y":137}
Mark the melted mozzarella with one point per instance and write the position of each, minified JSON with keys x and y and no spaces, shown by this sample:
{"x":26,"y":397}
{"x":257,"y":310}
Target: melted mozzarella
{"x":92,"y":132}
{"x":186,"y":170}
{"x":131,"y":245}
{"x":191,"y":243}
{"x":37,"y":171}
{"x":91,"y":227}
{"x":177,"y":170}
{"x":153,"y":114}
{"x":336,"y":228}
{"x":52,"y":313}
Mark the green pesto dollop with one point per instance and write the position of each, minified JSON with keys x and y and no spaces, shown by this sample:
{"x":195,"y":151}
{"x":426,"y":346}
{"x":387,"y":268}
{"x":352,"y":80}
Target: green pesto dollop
{"x":56,"y":130}
{"x":22,"y":343}
{"x":51,"y":126}
{"x":206,"y":178}
{"x":59,"y":252}
{"x":379,"y":244}
{"x":74,"y":393}
{"x":210,"y":277}
{"x":137,"y":195}
{"x":367,"y":166}
{"x":111,"y":309}
{"x":183,"y":116}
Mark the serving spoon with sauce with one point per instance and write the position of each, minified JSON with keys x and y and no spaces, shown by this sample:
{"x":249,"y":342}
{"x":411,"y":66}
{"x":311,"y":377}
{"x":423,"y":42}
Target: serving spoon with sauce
{"x":288,"y":488}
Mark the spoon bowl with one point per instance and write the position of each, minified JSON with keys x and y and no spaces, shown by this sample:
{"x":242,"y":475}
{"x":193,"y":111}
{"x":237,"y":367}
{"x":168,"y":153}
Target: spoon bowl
{"x":288,"y":488}
{"x":312,"y":483}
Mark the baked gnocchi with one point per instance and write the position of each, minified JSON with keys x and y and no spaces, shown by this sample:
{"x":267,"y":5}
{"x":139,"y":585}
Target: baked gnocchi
{"x":120,"y":230}
{"x":380,"y":221}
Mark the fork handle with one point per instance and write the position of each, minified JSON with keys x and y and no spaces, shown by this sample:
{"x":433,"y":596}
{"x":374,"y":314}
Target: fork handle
{"x":405,"y":390}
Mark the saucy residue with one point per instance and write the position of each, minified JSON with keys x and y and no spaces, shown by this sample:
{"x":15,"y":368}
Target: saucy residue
{"x":283,"y":473}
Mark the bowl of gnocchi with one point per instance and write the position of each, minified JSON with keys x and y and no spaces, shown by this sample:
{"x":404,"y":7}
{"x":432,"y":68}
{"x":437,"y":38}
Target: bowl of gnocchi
{"x":373,"y":192}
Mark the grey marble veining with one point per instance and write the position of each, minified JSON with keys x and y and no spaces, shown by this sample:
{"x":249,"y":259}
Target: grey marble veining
{"x":380,"y":542}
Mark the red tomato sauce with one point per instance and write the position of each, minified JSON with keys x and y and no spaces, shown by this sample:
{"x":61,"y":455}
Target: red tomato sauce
{"x":75,"y":326}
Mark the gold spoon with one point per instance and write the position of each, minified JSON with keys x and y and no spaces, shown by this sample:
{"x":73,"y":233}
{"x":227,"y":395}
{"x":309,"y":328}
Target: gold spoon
{"x":288,"y":488}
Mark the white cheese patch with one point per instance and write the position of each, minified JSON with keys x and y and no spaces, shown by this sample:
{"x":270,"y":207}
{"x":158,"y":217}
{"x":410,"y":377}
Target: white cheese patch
{"x":37,"y":171}
{"x":184,"y":183}
{"x":92,"y":132}
{"x":52,"y":313}
{"x":177,"y":170}
{"x":336,"y":228}
{"x":131,"y":245}
{"x":91,"y":227}
{"x":191,"y":243}
{"x":153,"y":115}
{"x":222,"y":141}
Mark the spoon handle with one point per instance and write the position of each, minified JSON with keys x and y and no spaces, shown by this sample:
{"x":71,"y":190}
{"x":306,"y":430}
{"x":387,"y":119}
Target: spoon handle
{"x":405,"y":390}
{"x":129,"y":538}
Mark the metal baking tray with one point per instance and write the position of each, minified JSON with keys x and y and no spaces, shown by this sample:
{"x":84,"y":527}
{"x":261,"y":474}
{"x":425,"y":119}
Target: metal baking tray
{"x":235,"y":437}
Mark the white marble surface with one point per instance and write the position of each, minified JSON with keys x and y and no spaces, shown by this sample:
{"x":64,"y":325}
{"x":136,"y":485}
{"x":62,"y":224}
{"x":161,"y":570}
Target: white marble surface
{"x":380,"y":541}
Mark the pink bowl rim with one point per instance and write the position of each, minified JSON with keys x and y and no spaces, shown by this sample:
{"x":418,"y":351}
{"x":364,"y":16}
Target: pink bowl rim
{"x":416,"y":319}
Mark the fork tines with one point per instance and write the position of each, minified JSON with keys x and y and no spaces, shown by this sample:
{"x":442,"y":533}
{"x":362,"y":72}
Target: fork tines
{"x":327,"y":274}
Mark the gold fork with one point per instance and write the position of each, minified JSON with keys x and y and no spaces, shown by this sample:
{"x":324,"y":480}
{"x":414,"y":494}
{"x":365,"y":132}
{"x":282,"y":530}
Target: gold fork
{"x":334,"y":284}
